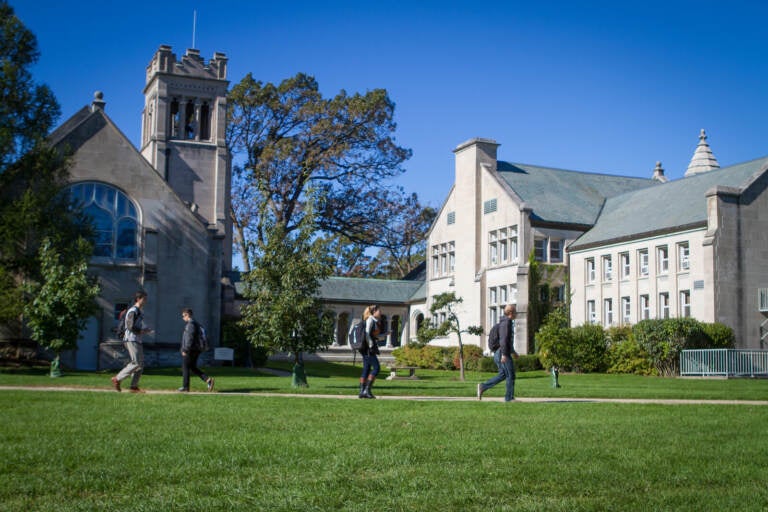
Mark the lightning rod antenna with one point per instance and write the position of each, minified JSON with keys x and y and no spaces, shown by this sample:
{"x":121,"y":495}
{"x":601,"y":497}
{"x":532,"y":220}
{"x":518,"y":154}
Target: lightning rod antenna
{"x":194,"y":26}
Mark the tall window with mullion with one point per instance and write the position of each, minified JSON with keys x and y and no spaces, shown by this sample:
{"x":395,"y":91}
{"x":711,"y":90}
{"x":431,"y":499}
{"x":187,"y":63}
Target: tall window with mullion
{"x":115,"y":220}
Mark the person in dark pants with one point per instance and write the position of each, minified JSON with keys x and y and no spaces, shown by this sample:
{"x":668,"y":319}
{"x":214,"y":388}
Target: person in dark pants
{"x":503,"y":356}
{"x":190,"y":351}
{"x":370,"y":350}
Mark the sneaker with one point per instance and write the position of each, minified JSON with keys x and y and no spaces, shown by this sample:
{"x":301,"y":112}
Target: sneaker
{"x":116,"y":384}
{"x":210,"y":383}
{"x":183,"y":390}
{"x":137,"y":390}
{"x":479,"y":391}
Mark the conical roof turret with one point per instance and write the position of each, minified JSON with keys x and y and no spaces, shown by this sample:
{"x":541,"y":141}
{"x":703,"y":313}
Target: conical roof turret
{"x":703,"y":160}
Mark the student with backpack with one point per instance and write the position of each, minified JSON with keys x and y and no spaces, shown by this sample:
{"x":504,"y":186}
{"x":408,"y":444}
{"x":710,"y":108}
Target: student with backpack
{"x":193,"y":343}
{"x":369,"y":348}
{"x":502,"y":337}
{"x":132,"y":329}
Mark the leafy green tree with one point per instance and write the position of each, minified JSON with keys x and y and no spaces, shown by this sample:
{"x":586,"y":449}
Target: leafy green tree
{"x":447,"y":303}
{"x":64,"y":299}
{"x":292,"y":147}
{"x":554,"y":342}
{"x":27,"y":110}
{"x":32,"y":176}
{"x":284,"y":312}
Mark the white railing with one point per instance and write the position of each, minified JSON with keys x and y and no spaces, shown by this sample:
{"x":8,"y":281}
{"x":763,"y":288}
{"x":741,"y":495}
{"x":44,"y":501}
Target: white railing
{"x":722,"y":362}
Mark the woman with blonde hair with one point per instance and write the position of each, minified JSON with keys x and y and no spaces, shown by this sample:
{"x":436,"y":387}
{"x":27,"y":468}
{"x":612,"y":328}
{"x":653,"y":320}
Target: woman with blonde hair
{"x":370,"y":350}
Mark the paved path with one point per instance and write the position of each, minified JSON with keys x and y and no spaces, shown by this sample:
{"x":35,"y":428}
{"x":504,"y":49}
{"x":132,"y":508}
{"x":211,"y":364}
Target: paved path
{"x":413,"y":398}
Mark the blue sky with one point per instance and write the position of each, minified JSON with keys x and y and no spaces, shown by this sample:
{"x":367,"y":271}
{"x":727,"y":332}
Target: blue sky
{"x":596,"y":86}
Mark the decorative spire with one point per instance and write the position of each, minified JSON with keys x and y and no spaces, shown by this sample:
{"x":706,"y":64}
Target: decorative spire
{"x":658,"y":173}
{"x":703,"y":160}
{"x":98,"y":101}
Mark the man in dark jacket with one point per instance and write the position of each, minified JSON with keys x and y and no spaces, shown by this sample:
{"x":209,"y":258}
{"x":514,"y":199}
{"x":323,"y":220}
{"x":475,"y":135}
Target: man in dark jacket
{"x":503,"y":356}
{"x":190,"y":351}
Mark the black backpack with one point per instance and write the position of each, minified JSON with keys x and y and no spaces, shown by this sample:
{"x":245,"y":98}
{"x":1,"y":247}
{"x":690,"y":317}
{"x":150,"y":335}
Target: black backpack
{"x":120,"y":329}
{"x":356,"y":336}
{"x":493,"y":338}
{"x":202,"y":339}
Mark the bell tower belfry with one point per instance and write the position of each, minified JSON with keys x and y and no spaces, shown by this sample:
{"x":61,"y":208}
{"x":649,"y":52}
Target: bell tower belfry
{"x":183,"y":134}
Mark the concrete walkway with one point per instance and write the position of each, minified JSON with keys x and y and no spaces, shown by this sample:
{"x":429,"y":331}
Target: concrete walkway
{"x":402,"y":397}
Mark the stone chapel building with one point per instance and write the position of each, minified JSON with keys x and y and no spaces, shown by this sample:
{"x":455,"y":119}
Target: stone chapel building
{"x":160,"y":211}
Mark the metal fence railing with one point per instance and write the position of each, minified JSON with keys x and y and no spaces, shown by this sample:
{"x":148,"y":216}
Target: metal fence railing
{"x":722,"y":362}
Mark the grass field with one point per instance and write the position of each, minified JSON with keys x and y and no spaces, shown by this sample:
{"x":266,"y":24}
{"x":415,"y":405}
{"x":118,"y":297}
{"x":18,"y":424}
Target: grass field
{"x":110,"y":451}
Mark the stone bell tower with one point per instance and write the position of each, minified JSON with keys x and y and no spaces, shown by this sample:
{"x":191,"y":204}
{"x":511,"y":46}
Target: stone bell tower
{"x":183,"y":134}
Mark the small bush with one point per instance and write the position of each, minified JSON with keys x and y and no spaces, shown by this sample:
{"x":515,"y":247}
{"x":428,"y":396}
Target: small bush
{"x":626,"y":356}
{"x":472,"y":356}
{"x":554,"y":341}
{"x":487,"y":364}
{"x":427,"y":356}
{"x":588,"y":349}
{"x":718,"y":336}
{"x":528,"y":363}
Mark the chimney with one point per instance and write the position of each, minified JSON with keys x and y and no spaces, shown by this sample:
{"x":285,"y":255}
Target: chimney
{"x":98,"y":101}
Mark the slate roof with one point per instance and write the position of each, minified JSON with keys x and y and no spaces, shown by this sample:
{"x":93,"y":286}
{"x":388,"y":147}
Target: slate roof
{"x":561,"y":196}
{"x":669,"y":207}
{"x":361,"y":290}
{"x":354,"y":289}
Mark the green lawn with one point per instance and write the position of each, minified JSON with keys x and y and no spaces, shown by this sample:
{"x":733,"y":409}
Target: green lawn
{"x":105,"y":451}
{"x":160,"y":452}
{"x":341,"y":379}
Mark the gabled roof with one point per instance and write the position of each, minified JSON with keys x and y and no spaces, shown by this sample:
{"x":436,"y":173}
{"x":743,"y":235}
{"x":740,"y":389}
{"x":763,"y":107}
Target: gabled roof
{"x":380,"y":291}
{"x":673,"y":206}
{"x":561,"y":196}
{"x":360,"y":290}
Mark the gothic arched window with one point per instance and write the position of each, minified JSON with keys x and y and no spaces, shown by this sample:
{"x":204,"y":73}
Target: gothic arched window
{"x":115,"y":220}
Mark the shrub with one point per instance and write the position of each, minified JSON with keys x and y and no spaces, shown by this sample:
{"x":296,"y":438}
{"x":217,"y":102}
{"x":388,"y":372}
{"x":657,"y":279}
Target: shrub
{"x":663,"y":340}
{"x":528,"y":363}
{"x":472,"y":356}
{"x":589,"y":345}
{"x":427,"y":356}
{"x":626,"y":356}
{"x":487,"y":364}
{"x":718,"y":336}
{"x":554,"y":341}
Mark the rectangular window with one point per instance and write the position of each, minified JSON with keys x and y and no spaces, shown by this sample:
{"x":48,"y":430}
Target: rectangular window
{"x":540,"y":249}
{"x":503,"y":295}
{"x":435,"y":260}
{"x":664,"y":305}
{"x":451,"y":218}
{"x":492,"y":296}
{"x":662,"y":258}
{"x":762,"y":299}
{"x":642,"y":259}
{"x":645,"y":307}
{"x":683,"y":257}
{"x":608,"y":312}
{"x":493,"y":316}
{"x":513,"y":249}
{"x":626,"y":310}
{"x":591,"y":276}
{"x":685,"y":303}
{"x":555,"y":250}
{"x":489,"y":206}
{"x":591,"y":314}
{"x":503,"y":254}
{"x":607,"y":268}
{"x":624,"y":265}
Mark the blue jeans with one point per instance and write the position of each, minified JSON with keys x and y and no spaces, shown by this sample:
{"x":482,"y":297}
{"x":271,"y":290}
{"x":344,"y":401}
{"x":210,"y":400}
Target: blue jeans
{"x":370,"y":366}
{"x":506,"y":372}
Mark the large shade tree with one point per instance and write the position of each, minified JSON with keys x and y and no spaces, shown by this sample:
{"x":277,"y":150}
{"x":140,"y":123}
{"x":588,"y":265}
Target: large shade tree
{"x":292,"y":147}
{"x":34,"y":206}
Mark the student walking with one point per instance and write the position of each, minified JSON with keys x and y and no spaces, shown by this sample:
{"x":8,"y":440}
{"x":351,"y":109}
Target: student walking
{"x":191,"y":347}
{"x":370,"y":350}
{"x":134,"y":330}
{"x":503,"y":356}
